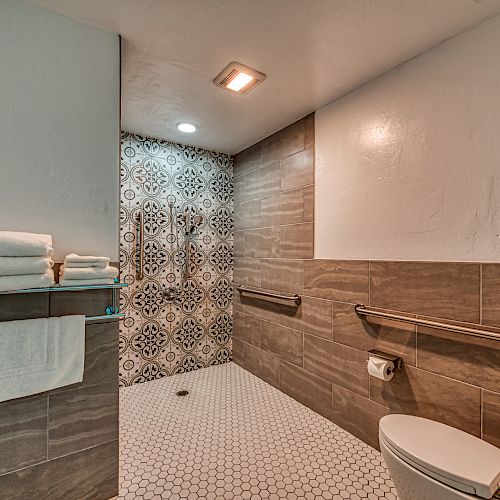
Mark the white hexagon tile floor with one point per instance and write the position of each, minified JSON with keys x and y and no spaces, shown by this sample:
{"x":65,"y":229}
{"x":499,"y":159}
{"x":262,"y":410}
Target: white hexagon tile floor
{"x":234,"y":436}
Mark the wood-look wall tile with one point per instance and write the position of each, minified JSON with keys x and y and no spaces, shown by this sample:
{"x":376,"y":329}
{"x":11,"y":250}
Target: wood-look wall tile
{"x":309,"y":132}
{"x":239,"y":243}
{"x":297,"y":170}
{"x":239,"y":193}
{"x":91,"y":474}
{"x":24,"y":306}
{"x":439,"y":289}
{"x":247,"y":215}
{"x":336,"y":363}
{"x":491,"y":417}
{"x":341,"y":280}
{"x":284,"y":275}
{"x":284,"y":208}
{"x":313,"y":316}
{"x":282,"y":342}
{"x":262,"y":364}
{"x":307,"y":388}
{"x":238,"y":351}
{"x":297,"y":241}
{"x":264,"y":181}
{"x":357,"y":414}
{"x":246,"y":328}
{"x":82,"y":418}
{"x":89,"y":303}
{"x":388,"y":336}
{"x":418,"y":392}
{"x":23,"y":433}
{"x":491,"y":294}
{"x":263,"y":242}
{"x":246,"y":271}
{"x":247,"y":160}
{"x":476,"y":364}
{"x":284,"y":143}
{"x":308,"y":203}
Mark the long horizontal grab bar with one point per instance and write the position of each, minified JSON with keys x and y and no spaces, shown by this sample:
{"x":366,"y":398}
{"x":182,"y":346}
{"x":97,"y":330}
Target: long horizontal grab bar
{"x":266,"y":294}
{"x":361,"y":310}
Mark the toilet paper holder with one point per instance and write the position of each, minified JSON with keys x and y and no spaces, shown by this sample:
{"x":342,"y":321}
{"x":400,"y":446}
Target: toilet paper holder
{"x":397,"y":360}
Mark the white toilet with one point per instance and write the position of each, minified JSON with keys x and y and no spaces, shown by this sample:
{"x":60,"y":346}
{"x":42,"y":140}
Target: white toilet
{"x":433,"y":461}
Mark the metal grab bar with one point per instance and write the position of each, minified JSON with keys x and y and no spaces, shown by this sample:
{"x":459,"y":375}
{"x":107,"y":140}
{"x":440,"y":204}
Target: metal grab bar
{"x":361,"y":310}
{"x":140,"y":242}
{"x":267,"y":295}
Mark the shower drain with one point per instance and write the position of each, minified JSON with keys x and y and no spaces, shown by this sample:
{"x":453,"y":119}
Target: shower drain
{"x":182,"y":393}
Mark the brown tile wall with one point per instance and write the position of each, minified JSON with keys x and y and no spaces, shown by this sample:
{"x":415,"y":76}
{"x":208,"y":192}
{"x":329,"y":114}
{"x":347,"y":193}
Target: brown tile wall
{"x":317,"y":352}
{"x":64,"y":443}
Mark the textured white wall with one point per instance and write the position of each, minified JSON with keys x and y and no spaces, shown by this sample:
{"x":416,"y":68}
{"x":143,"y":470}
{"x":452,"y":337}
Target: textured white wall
{"x":59,"y":129}
{"x":408,"y":166}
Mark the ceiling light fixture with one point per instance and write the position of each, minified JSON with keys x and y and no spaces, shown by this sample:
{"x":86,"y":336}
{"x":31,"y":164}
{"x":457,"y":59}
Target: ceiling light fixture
{"x":238,"y":78}
{"x":187,"y":128}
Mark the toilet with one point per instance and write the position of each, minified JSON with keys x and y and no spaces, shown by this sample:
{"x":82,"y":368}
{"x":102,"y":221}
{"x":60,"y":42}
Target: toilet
{"x":429,"y":460}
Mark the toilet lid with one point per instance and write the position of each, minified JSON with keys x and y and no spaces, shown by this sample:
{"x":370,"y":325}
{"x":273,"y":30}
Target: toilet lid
{"x":451,"y":456}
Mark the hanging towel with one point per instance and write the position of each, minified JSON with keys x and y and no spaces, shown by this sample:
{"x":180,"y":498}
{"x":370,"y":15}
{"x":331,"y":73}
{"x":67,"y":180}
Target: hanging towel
{"x":74,"y":260}
{"x":103,"y":281}
{"x":10,"y":266}
{"x":38,"y":355}
{"x":86,"y":273}
{"x":14,"y":244}
{"x":26,"y":281}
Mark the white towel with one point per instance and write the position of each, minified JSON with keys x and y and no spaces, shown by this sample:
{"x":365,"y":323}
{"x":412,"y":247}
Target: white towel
{"x":103,"y":281}
{"x":11,"y":266}
{"x":26,"y":281}
{"x":38,"y":355}
{"x":87,"y":273}
{"x":14,"y":244}
{"x":74,"y":260}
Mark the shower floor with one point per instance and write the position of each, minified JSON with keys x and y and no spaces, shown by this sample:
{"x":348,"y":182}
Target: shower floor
{"x":234,"y":436}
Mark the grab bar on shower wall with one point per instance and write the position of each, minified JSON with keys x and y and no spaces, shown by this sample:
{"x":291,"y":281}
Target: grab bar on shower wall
{"x":140,"y":242}
{"x":269,"y":295}
{"x":361,"y":310}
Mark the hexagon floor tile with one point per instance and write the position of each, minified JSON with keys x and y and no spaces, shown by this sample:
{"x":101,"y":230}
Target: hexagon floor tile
{"x":236,"y":437}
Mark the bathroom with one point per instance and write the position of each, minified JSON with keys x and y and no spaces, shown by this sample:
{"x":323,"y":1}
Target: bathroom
{"x":250,"y":249}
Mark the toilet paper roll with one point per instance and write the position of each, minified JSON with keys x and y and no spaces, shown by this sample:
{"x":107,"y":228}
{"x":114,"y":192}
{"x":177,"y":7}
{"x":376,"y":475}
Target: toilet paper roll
{"x":380,"y":368}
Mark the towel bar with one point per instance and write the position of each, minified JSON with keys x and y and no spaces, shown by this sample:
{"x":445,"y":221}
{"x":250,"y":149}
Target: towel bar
{"x":269,"y":295}
{"x":362,"y":310}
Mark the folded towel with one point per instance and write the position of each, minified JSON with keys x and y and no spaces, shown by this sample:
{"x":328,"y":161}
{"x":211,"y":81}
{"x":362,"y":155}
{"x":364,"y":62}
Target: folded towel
{"x":25,"y":281}
{"x":10,"y":266}
{"x":14,"y":244}
{"x":103,"y":281}
{"x":38,"y":355}
{"x":86,"y":273}
{"x":74,"y":260}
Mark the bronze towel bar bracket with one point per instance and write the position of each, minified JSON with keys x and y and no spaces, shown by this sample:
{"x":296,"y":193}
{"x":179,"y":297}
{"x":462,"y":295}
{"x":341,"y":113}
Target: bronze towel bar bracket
{"x":362,"y":310}
{"x":270,"y":296}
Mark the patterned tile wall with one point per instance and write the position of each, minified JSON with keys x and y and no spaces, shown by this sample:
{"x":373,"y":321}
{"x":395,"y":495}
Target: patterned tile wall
{"x":161,"y":336}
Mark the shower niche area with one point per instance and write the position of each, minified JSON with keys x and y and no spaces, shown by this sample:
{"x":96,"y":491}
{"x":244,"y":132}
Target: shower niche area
{"x":176,"y":255}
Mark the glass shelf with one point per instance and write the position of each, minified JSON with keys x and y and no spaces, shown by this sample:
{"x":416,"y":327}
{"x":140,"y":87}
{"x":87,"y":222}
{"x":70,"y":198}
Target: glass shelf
{"x":58,"y":288}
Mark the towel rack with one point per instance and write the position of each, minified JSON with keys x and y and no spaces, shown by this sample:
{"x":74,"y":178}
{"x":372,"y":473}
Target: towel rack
{"x":362,"y":310}
{"x":268,"y":295}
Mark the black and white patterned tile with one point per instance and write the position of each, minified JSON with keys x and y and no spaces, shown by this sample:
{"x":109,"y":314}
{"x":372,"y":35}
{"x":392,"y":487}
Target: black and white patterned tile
{"x":163,"y":180}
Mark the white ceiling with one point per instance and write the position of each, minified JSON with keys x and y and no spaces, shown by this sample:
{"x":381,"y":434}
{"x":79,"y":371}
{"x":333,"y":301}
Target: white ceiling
{"x":313,"y":51}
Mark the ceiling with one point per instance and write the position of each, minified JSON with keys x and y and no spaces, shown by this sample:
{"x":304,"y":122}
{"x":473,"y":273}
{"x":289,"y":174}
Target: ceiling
{"x":313,"y":51}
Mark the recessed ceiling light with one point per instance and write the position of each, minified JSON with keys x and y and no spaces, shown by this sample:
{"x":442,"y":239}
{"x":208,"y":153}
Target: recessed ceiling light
{"x":188,"y":128}
{"x":238,"y":78}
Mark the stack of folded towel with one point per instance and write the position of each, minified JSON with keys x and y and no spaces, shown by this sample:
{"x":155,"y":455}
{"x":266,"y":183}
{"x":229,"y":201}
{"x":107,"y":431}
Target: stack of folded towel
{"x":25,"y":261}
{"x":86,"y":270}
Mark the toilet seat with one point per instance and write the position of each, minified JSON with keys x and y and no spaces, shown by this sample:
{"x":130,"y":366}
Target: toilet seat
{"x":452,"y":457}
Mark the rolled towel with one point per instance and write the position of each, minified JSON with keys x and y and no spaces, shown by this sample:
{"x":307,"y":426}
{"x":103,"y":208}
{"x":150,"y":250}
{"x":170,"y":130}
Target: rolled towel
{"x":11,"y":266}
{"x":74,"y":260}
{"x":26,"y":281}
{"x":88,"y":273}
{"x":103,"y":281}
{"x":14,"y":244}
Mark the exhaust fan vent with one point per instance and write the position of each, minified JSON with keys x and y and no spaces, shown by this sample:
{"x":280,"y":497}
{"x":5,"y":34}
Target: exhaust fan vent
{"x":238,"y":78}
